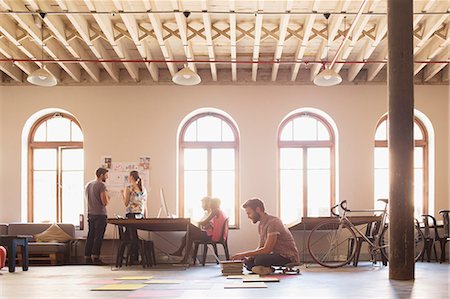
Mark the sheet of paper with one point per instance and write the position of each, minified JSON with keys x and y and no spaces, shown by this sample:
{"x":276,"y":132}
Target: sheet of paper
{"x":241,"y":285}
{"x":260,"y":279}
{"x":242,"y":276}
{"x":163,"y":281}
{"x":134,"y":278}
{"x":119,"y":287}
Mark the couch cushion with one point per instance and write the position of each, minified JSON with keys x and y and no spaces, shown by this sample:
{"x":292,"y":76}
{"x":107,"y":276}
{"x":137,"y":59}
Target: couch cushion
{"x":52,"y":234}
{"x":3,"y":229}
{"x":36,"y":228}
{"x":49,"y":247}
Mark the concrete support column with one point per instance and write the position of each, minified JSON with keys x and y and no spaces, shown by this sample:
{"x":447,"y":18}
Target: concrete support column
{"x":401,"y":139}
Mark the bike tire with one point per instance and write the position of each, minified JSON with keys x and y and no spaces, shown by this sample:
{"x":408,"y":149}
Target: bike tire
{"x":419,"y":243}
{"x":332,"y":244}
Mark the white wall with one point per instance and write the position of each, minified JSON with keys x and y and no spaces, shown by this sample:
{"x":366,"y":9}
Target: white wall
{"x":127,"y":122}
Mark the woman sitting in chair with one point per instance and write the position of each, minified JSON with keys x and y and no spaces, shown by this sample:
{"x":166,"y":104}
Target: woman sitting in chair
{"x":209,"y":228}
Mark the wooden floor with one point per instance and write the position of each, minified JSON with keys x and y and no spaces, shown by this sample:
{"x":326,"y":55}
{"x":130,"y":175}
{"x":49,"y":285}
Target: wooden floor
{"x":365,"y":281}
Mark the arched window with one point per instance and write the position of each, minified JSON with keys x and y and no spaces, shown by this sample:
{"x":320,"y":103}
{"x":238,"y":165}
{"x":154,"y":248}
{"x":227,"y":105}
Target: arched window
{"x":55,"y":170}
{"x":306,"y":143}
{"x":381,"y":165}
{"x":209,"y":144}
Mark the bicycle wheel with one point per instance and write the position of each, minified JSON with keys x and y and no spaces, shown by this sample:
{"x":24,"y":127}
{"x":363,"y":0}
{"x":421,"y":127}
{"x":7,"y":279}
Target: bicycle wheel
{"x":419,"y":243}
{"x":332,"y":244}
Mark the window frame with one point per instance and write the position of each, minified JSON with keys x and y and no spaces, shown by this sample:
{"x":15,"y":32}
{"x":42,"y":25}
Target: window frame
{"x":209,"y":145}
{"x":305,"y":145}
{"x":59,"y":146}
{"x":423,"y":143}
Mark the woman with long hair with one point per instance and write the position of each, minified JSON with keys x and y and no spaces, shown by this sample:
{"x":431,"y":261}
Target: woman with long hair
{"x":135,"y":197}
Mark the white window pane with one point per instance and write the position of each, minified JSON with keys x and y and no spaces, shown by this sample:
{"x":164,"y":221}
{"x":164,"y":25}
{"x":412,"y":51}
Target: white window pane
{"x":44,"y":159}
{"x":418,"y":157}
{"x":72,"y":159}
{"x":222,"y":159}
{"x":319,"y":158}
{"x":39,"y":134}
{"x":291,"y":158}
{"x":305,"y":128}
{"x":286,"y":133}
{"x":223,"y":187}
{"x":318,"y":193}
{"x":381,"y":133}
{"x":191,"y":132}
{"x":417,"y":132}
{"x":418,"y":192}
{"x":72,"y":196}
{"x":58,"y":129}
{"x":381,"y":186}
{"x":291,"y":195}
{"x":209,"y":129}
{"x":322,"y":132}
{"x":77,"y":135}
{"x":381,"y":158}
{"x":227,"y":132}
{"x":195,"y":188}
{"x":44,"y":196}
{"x":195,"y":159}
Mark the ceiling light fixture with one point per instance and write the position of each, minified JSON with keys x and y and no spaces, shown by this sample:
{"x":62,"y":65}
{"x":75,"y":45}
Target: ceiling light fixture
{"x":327,"y":77}
{"x":186,"y":77}
{"x":42,"y":77}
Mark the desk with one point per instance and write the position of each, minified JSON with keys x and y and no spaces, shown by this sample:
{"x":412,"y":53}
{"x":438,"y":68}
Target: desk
{"x":12,"y":242}
{"x":159,"y":225}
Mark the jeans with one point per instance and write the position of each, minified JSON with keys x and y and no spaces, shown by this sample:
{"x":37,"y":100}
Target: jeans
{"x":97,"y":227}
{"x":266,"y":260}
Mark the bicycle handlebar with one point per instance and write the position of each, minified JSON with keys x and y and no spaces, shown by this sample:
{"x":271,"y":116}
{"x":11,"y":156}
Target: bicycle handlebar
{"x":343,"y":206}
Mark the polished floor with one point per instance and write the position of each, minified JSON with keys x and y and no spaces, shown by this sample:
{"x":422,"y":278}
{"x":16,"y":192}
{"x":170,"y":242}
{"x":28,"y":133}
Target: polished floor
{"x":432,"y":280}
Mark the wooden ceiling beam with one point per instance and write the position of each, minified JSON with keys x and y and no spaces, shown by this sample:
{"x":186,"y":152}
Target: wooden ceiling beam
{"x":334,"y":24}
{"x":209,"y":40}
{"x":11,"y":52}
{"x":435,"y":46}
{"x":11,"y":70}
{"x":284,"y":22}
{"x":158,"y":30}
{"x":107,"y":28}
{"x":233,"y":44}
{"x":132,"y":27}
{"x":351,"y":43}
{"x":82,"y":26}
{"x":432,"y":69}
{"x":73,"y":46}
{"x":257,"y":38}
{"x":182,"y":29}
{"x":309,"y":23}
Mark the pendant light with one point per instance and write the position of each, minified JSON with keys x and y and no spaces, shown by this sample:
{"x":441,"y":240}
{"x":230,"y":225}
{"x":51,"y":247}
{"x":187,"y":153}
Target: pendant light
{"x":327,"y":77}
{"x":42,"y":77}
{"x":186,"y":77}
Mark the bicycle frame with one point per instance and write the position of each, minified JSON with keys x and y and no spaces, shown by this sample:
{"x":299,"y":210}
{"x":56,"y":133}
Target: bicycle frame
{"x":344,"y":219}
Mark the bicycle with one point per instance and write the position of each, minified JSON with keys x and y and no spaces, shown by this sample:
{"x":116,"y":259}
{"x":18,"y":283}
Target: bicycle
{"x":332,"y":243}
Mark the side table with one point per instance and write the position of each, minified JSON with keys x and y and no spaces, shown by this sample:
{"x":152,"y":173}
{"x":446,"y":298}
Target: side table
{"x":11,"y":242}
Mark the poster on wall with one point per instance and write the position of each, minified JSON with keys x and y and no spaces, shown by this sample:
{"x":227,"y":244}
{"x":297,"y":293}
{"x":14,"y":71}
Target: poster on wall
{"x":106,"y":162}
{"x":118,"y":177}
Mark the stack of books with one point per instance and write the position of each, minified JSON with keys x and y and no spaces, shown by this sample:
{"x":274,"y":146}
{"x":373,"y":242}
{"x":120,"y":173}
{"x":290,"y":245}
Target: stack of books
{"x":231,"y":267}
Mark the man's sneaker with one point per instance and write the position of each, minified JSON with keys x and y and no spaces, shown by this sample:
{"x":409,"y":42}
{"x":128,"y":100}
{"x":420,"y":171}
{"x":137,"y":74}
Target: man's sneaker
{"x":261,"y":270}
{"x":98,"y":262}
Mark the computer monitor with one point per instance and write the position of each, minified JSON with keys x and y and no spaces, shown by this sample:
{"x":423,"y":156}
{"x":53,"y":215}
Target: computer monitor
{"x":163,"y":210}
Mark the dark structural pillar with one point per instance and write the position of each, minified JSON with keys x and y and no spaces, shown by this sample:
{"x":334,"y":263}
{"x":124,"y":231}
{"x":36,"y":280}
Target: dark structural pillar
{"x":401,"y":141}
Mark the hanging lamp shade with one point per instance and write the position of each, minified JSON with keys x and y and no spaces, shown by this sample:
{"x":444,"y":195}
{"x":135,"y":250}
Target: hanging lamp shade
{"x":42,"y":77}
{"x":186,"y":77}
{"x":327,"y":77}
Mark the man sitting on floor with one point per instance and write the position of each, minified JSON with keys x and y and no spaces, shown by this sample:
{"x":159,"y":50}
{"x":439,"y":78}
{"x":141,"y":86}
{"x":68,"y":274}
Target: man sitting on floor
{"x":276,"y":244}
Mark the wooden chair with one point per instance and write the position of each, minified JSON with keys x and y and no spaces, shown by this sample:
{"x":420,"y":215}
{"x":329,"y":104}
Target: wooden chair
{"x":446,"y":237}
{"x":431,"y":236}
{"x":222,"y":241}
{"x":372,"y":230}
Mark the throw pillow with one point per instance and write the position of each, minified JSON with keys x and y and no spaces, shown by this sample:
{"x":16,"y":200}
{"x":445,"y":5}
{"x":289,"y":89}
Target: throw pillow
{"x":53,"y":234}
